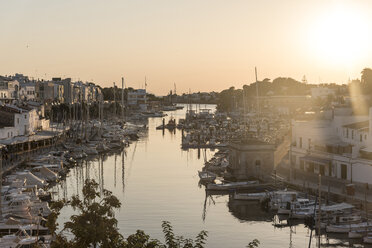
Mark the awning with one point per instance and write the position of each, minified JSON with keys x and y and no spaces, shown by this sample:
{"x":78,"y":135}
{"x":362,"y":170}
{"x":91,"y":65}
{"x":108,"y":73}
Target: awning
{"x":309,"y":158}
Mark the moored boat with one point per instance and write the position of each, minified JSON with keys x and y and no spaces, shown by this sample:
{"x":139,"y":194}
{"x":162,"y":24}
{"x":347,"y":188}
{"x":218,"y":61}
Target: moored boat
{"x":232,"y":186}
{"x":207,"y":176}
{"x":250,"y":196}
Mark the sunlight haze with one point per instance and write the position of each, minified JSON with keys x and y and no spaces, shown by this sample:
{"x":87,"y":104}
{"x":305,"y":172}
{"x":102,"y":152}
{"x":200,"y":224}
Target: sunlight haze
{"x":199,"y":45}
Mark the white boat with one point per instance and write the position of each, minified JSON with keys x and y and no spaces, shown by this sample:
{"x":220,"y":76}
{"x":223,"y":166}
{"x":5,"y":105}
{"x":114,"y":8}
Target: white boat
{"x":27,"y":176}
{"x":101,"y":147}
{"x":22,"y":240}
{"x":57,"y":167}
{"x":12,"y":241}
{"x":250,"y":196}
{"x":45,"y":173}
{"x":299,"y":205}
{"x":367,"y":239}
{"x":232,"y":186}
{"x":90,"y":150}
{"x":11,"y":226}
{"x":280,"y":198}
{"x":348,"y":227}
{"x":207,"y":176}
{"x":358,"y":234}
{"x":23,"y":205}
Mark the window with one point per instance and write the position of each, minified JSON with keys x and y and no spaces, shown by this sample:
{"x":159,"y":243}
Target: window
{"x":258,"y":163}
{"x":25,"y":116}
{"x":361,"y":138}
{"x":352,"y":134}
{"x":300,"y":142}
{"x":365,"y":136}
{"x":343,"y":171}
{"x":347,"y":133}
{"x":309,"y":140}
{"x":17,"y":120}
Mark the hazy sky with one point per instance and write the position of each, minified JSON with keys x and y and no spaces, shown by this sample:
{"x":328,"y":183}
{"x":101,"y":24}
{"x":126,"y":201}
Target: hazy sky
{"x":203,"y":45}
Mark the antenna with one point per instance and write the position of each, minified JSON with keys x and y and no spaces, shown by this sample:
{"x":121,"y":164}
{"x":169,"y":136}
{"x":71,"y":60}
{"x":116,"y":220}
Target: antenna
{"x":175,"y":89}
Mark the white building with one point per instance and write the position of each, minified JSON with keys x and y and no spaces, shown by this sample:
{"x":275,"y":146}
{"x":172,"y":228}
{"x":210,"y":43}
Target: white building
{"x":27,"y":91}
{"x":321,"y":92}
{"x":340,"y":147}
{"x":9,"y":89}
{"x":20,"y":121}
{"x":137,"y":99}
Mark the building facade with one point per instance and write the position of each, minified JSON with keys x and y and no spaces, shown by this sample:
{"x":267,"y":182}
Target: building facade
{"x":251,"y":158}
{"x":137,"y":99}
{"x":340,"y":147}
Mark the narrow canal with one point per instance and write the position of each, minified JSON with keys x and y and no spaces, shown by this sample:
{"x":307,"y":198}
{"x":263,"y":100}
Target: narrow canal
{"x":158,"y":181}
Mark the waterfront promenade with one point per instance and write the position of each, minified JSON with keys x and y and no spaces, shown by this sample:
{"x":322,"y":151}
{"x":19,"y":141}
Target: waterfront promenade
{"x":331,"y":189}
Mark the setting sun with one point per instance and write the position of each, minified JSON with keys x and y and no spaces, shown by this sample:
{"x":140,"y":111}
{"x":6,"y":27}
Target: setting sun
{"x":340,"y":36}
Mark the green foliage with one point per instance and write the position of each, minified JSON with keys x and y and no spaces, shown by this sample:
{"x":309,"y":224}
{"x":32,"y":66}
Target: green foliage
{"x":254,"y":243}
{"x":95,"y":224}
{"x":140,"y":240}
{"x":172,"y":241}
{"x":231,"y":98}
{"x":52,"y":218}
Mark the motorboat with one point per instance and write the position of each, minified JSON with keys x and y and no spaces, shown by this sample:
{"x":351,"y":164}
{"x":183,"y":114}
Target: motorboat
{"x":28,"y":177}
{"x":346,"y":228}
{"x":45,"y":173}
{"x":206,"y":176}
{"x":232,"y":185}
{"x":22,"y":204}
{"x":300,"y":204}
{"x":358,"y":234}
{"x":368,"y":239}
{"x":250,"y":196}
{"x":280,"y":198}
{"x":21,"y":239}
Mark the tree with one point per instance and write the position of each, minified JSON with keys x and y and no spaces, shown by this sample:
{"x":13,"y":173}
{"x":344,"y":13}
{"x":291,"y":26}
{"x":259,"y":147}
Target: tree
{"x":172,"y":241}
{"x":51,"y":222}
{"x":95,"y":224}
{"x":366,"y":76}
{"x":140,"y":240}
{"x":366,"y":79}
{"x":254,"y":243}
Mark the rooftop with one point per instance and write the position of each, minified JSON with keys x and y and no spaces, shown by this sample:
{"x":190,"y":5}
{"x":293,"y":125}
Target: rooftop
{"x":358,"y":125}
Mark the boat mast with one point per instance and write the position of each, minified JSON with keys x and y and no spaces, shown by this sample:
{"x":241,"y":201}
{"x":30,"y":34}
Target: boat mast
{"x":87,"y":119}
{"x":81,"y":111}
{"x":145,"y":93}
{"x":190,"y":99}
{"x":258,"y":101}
{"x":101,"y":114}
{"x":1,"y":183}
{"x":122,"y":98}
{"x":320,"y":210}
{"x":114,"y":101}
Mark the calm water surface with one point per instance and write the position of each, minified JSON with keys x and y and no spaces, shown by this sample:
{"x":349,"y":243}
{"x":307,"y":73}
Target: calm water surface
{"x":158,"y":181}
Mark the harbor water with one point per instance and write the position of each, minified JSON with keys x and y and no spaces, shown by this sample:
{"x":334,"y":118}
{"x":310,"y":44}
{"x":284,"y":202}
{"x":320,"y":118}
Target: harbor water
{"x":156,"y":180}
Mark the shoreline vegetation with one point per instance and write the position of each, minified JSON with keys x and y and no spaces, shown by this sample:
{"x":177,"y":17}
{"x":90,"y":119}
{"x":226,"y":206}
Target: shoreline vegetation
{"x":95,"y":225}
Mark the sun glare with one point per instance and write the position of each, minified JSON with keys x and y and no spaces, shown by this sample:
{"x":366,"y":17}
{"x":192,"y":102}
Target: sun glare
{"x":340,"y":36}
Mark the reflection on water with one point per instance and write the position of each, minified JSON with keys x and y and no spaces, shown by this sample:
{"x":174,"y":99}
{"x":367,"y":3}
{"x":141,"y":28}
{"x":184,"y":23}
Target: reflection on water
{"x":156,"y":180}
{"x":249,"y":211}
